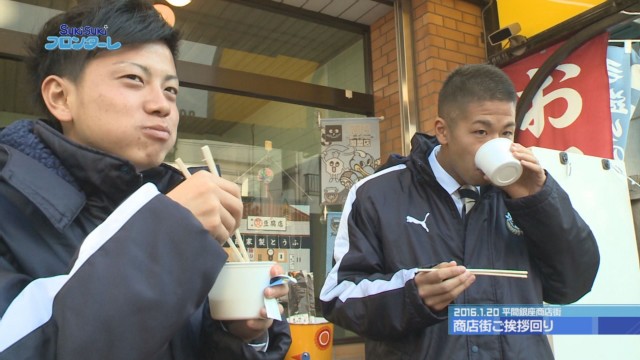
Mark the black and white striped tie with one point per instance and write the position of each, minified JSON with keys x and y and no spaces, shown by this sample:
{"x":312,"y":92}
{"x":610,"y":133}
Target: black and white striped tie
{"x":468,"y":195}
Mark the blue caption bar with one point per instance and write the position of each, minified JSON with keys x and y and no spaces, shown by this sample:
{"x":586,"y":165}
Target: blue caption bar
{"x":544,"y":319}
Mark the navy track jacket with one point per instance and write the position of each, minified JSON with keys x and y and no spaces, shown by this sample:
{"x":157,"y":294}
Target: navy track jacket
{"x":371,"y":289}
{"x":96,"y":263}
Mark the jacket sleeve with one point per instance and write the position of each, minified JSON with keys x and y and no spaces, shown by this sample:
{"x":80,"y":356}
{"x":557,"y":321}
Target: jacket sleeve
{"x":219,"y":344}
{"x":559,"y":241}
{"x":358,"y":285}
{"x":136,"y":281}
{"x":11,"y":281}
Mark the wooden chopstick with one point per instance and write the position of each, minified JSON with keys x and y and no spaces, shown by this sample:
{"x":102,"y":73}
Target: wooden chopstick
{"x":241,"y":246}
{"x":183,"y":168}
{"x":523,"y":274}
{"x":208,"y":158}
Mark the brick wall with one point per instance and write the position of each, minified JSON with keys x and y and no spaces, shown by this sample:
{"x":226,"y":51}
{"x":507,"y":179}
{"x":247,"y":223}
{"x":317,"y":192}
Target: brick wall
{"x":385,"y":84}
{"x":446,"y":34}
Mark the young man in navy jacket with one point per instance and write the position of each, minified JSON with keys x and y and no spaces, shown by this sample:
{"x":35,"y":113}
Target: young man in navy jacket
{"x":106,"y":253}
{"x":409,"y":215}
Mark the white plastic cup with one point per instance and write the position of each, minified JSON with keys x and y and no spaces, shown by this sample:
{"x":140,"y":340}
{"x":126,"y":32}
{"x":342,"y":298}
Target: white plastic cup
{"x":495,"y":159}
{"x":238,"y":293}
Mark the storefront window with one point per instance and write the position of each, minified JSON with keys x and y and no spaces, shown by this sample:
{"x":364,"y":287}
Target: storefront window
{"x":15,"y":100}
{"x":266,"y":142}
{"x":246,"y":38}
{"x":271,"y":150}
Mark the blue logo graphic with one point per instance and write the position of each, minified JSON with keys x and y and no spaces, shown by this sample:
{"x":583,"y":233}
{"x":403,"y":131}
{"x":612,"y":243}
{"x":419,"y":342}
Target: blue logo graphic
{"x":82,"y":38}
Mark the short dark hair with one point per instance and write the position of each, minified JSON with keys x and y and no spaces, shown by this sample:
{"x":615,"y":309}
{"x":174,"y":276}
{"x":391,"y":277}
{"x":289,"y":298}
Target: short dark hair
{"x":472,"y":83}
{"x":129,"y":22}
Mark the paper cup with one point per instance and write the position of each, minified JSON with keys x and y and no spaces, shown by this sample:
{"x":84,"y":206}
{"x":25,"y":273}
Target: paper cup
{"x":238,"y":293}
{"x":495,"y":159}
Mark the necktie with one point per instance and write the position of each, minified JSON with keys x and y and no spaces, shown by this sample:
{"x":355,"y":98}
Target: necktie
{"x":468,"y":195}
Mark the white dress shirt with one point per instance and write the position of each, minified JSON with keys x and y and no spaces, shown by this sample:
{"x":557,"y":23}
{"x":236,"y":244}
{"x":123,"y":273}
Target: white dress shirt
{"x":444,"y":179}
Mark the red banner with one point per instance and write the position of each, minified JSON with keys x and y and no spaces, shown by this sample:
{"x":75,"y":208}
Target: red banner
{"x":570,"y":111}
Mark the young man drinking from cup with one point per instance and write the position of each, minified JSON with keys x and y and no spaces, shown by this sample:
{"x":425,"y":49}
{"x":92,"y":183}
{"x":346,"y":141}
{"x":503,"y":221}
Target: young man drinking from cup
{"x":105,"y":252}
{"x":413,"y":214}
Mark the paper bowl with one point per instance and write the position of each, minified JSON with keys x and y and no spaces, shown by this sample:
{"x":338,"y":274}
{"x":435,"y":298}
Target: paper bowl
{"x":238,"y":293}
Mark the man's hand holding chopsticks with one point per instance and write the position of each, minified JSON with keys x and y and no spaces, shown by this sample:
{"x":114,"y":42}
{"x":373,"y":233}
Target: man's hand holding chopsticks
{"x":439,"y":288}
{"x":214,"y":201}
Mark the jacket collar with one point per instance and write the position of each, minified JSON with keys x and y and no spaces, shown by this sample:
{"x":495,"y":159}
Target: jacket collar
{"x":83,"y":173}
{"x":94,"y":171}
{"x":90,"y":167}
{"x":421,"y":147}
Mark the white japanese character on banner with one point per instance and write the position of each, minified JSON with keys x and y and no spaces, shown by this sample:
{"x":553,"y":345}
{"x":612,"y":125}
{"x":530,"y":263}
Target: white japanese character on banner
{"x":534,"y":119}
